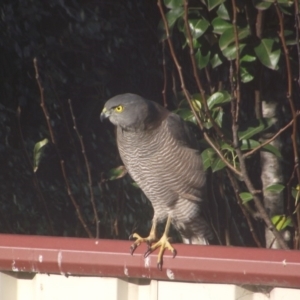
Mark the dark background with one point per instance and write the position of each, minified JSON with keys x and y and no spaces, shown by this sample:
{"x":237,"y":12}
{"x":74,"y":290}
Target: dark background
{"x":89,"y":51}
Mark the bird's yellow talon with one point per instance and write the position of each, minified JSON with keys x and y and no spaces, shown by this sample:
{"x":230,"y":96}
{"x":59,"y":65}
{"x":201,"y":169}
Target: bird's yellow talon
{"x":163,"y":244}
{"x":158,"y":150}
{"x":149,"y":240}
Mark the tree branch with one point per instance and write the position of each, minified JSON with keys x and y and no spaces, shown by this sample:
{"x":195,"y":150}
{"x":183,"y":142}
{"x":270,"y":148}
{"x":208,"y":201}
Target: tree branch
{"x":272,"y":138}
{"x":199,"y":122}
{"x":88,"y":169}
{"x":62,"y":163}
{"x":289,"y":89}
{"x":196,"y":76}
{"x":242,"y":207}
{"x":235,"y":107}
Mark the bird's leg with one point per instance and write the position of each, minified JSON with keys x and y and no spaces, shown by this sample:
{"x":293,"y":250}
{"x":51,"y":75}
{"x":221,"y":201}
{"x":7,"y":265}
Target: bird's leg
{"x":149,"y":240}
{"x":163,"y":243}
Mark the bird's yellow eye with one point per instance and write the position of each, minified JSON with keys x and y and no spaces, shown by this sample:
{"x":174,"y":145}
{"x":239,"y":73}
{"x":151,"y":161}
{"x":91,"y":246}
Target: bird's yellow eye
{"x":119,"y":108}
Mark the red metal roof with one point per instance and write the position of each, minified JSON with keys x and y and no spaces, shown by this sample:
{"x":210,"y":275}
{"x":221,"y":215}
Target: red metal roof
{"x":111,"y":258}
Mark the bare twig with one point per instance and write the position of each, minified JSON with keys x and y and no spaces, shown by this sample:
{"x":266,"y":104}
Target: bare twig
{"x":34,"y":178}
{"x":291,"y":210}
{"x":290,"y":97}
{"x":62,"y":163}
{"x":208,"y":78}
{"x":235,"y":107}
{"x":165,"y":75}
{"x":257,"y":197}
{"x":297,"y":25}
{"x":289,"y":90}
{"x":88,"y":169}
{"x":237,"y":66}
{"x":43,"y":104}
{"x":272,"y":138}
{"x":244,"y":211}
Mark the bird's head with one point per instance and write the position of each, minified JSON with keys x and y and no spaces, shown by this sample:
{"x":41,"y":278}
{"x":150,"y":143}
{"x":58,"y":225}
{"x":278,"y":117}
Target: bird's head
{"x":130,"y":111}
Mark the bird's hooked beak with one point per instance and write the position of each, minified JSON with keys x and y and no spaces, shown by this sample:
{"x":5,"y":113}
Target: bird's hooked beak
{"x":104,"y":114}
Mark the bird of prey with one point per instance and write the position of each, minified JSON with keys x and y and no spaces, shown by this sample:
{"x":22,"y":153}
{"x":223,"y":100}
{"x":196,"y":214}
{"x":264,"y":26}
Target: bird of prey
{"x":157,"y":149}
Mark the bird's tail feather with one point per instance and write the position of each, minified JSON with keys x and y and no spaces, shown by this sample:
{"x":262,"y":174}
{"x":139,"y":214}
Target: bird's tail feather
{"x":196,"y":241}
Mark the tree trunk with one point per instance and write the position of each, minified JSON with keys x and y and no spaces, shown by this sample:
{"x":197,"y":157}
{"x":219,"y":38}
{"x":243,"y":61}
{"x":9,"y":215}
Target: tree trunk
{"x":271,"y":171}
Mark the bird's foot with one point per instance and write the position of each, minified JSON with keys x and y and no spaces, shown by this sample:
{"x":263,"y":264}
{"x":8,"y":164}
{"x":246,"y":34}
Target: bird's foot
{"x":164,"y":244}
{"x":149,"y":240}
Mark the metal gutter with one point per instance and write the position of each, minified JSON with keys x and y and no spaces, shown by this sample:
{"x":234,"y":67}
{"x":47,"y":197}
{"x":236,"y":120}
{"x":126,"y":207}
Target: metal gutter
{"x":111,"y":258}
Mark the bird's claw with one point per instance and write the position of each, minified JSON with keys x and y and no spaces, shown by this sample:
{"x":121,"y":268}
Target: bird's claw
{"x":163,"y":244}
{"x":132,"y":248}
{"x":174,"y":252}
{"x":148,"y":252}
{"x":160,"y":260}
{"x":139,"y":240}
{"x":159,"y":266}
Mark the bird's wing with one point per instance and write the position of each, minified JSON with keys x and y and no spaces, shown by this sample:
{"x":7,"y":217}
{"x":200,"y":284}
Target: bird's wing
{"x":181,"y":131}
{"x":192,"y":186}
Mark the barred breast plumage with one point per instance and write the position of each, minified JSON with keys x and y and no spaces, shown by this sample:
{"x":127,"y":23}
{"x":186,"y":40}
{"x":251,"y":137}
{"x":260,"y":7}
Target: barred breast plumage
{"x":170,"y":173}
{"x":157,"y":149}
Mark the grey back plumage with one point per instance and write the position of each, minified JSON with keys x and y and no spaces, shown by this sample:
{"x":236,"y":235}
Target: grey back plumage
{"x":159,"y":155}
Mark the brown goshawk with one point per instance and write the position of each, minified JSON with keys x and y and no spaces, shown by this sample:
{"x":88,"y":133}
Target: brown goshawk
{"x":156,"y":147}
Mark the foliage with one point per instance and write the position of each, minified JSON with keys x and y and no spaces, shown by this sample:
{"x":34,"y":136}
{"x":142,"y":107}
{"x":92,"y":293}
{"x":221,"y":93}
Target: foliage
{"x":217,"y":61}
{"x":242,"y":54}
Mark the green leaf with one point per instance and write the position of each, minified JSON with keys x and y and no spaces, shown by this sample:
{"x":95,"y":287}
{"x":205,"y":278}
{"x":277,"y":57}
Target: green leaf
{"x":296,"y":194}
{"x":217,"y":164}
{"x":215,"y":60}
{"x":247,"y":69}
{"x":246,"y":76}
{"x":216,"y":56}
{"x":198,"y":27}
{"x":281,"y":221}
{"x":202,"y":60}
{"x":223,"y":13}
{"x":173,"y":3}
{"x":230,"y":51}
{"x":219,"y":117}
{"x":135,"y":185}
{"x":208,"y":156}
{"x":248,"y":58}
{"x":261,"y":5}
{"x":116,"y":173}
{"x":225,"y":146}
{"x":220,"y":25}
{"x":37,"y":153}
{"x":245,"y":196}
{"x":286,"y":2}
{"x":211,"y":4}
{"x":275,"y":188}
{"x":218,"y":98}
{"x":249,"y":144}
{"x":268,"y":52}
{"x":186,"y":114}
{"x":284,"y":6}
{"x":173,"y":15}
{"x":290,"y":37}
{"x":272,"y":149}
{"x":227,"y":38}
{"x":260,"y":125}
